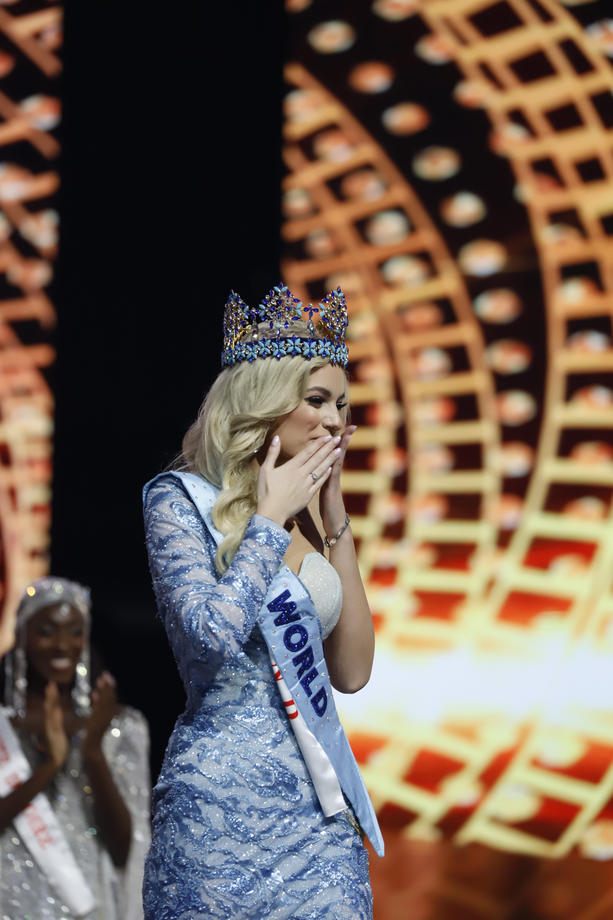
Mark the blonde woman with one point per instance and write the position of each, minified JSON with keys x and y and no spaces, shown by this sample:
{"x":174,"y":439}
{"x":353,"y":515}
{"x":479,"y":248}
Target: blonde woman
{"x":260,"y":810}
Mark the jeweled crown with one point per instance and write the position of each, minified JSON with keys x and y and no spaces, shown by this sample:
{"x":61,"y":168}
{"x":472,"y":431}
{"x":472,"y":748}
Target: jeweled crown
{"x":326,"y":324}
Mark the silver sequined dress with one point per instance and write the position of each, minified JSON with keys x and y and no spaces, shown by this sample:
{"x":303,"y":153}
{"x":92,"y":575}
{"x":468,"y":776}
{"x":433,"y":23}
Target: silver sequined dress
{"x":25,"y":892}
{"x":237,"y":829}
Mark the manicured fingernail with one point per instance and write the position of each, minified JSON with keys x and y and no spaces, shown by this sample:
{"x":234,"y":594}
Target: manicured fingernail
{"x":327,"y":438}
{"x":337,"y":450}
{"x":337,"y":439}
{"x":275,"y":440}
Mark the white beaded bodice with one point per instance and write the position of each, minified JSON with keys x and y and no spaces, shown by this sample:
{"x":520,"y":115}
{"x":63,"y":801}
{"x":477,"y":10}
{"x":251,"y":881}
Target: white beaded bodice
{"x":322,"y":581}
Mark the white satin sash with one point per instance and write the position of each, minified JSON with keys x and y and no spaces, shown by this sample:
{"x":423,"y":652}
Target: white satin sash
{"x":318,"y":764}
{"x":39,"y":829}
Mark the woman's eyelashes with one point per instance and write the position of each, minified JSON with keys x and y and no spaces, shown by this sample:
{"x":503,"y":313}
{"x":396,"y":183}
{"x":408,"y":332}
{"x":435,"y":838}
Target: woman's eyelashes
{"x":319,"y":401}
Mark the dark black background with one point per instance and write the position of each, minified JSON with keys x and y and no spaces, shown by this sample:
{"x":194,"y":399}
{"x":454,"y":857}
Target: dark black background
{"x":170,"y":197}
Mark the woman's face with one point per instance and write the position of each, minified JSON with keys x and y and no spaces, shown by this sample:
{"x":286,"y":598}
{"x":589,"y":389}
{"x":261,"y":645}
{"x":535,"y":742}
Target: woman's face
{"x":54,"y":642}
{"x":322,"y":411}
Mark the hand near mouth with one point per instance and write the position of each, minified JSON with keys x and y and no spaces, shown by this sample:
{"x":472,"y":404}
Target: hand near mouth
{"x":331,"y":505}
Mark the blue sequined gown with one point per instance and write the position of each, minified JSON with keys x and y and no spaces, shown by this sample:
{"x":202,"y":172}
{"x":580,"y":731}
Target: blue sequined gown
{"x":237,"y":829}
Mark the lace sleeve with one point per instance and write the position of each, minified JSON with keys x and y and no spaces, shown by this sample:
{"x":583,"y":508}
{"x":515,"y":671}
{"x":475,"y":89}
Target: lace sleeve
{"x":207,"y":620}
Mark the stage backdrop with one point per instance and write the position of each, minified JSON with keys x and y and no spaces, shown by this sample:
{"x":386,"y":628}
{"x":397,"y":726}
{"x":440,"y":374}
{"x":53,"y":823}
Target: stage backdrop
{"x":449,"y":164}
{"x":30,"y":38}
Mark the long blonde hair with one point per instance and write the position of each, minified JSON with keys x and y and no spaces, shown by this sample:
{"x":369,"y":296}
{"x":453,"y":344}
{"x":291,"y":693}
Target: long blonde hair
{"x":239,"y":412}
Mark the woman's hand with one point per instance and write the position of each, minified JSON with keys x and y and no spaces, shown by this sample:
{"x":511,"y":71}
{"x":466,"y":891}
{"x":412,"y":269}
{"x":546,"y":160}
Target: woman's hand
{"x":56,"y":740}
{"x":55,"y":745}
{"x":331,"y":505}
{"x":112,"y":815}
{"x":104,"y":707}
{"x":285,"y":490}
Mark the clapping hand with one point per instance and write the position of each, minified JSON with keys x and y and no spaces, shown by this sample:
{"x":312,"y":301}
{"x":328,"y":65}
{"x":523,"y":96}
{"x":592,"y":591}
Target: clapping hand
{"x":56,"y":742}
{"x":104,"y":707}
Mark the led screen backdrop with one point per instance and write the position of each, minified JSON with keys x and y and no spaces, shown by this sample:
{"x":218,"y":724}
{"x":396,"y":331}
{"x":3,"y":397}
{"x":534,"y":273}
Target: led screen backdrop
{"x":30,"y":36}
{"x":449,"y":163}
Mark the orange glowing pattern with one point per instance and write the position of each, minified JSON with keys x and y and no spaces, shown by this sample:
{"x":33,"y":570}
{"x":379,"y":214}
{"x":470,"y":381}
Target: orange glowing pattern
{"x":28,"y":246}
{"x":489,"y":717}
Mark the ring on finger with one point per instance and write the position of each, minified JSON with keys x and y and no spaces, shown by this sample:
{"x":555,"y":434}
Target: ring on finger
{"x":314,"y":476}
